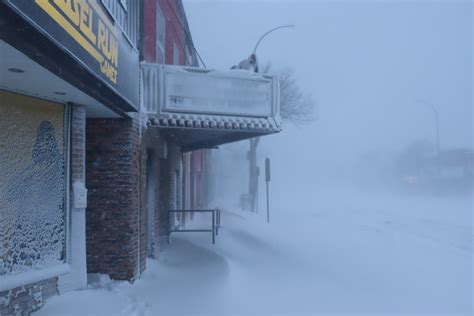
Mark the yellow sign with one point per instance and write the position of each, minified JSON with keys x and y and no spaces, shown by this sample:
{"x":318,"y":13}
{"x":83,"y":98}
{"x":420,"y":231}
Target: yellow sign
{"x":86,"y":23}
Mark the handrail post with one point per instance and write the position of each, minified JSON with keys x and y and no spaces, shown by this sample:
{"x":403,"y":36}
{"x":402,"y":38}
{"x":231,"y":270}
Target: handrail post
{"x":213,"y":227}
{"x":217,"y":221}
{"x":169,"y":225}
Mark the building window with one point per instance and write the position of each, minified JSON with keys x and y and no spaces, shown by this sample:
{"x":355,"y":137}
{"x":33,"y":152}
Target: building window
{"x":126,"y":14}
{"x":160,"y":37}
{"x":175,"y":54}
{"x":33,"y":204}
{"x":117,"y":11}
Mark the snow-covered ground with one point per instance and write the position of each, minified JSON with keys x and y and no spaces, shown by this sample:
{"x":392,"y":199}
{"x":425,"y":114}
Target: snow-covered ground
{"x":346,"y":253}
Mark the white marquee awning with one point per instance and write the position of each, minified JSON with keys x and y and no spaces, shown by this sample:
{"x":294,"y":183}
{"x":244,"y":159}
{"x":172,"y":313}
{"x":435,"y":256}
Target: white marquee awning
{"x":233,"y":104}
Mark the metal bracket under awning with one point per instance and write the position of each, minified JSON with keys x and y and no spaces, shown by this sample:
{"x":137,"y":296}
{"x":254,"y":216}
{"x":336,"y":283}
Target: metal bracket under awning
{"x":194,"y":138}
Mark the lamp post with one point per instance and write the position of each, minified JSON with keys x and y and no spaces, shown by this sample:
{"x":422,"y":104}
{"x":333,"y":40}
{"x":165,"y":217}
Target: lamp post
{"x":268,"y":32}
{"x":252,"y":154}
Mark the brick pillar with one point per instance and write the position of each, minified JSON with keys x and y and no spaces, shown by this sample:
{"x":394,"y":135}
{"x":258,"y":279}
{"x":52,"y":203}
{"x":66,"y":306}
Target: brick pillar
{"x":113,"y":212}
{"x":151,"y":144}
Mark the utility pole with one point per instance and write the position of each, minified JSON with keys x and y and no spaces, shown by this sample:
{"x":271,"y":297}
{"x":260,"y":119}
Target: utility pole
{"x":253,"y":173}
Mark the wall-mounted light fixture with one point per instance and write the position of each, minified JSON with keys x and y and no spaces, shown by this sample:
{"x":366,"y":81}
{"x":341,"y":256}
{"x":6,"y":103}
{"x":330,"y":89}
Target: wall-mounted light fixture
{"x":16,"y":70}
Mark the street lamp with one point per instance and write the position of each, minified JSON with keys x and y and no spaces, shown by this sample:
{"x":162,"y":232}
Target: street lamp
{"x":268,"y":32}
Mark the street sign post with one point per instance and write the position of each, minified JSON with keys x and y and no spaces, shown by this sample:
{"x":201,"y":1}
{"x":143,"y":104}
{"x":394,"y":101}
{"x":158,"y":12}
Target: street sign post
{"x":267,"y":180}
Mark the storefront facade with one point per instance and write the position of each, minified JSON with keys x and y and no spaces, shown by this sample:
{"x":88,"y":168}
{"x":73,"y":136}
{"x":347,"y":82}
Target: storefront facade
{"x":62,"y":63}
{"x":104,"y":130}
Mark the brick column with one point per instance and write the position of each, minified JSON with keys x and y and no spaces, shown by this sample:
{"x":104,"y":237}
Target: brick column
{"x":150,"y":145}
{"x":113,"y":212}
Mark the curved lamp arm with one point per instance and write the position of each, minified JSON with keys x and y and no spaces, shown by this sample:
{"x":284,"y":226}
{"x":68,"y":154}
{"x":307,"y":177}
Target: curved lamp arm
{"x":268,"y":32}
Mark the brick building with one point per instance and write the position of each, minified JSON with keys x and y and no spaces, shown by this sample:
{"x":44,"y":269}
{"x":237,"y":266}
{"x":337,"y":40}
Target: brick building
{"x":107,"y":120}
{"x":61,"y":69}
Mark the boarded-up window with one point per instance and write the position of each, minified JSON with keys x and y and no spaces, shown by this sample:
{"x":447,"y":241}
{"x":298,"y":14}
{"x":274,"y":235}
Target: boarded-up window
{"x":32,"y":184}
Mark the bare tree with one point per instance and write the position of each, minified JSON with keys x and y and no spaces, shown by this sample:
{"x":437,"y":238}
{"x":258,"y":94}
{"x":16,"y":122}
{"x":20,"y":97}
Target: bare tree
{"x":295,"y":107}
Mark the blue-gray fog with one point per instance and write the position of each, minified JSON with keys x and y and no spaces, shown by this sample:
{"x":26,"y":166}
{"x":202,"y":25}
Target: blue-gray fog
{"x":375,"y":69}
{"x":364,"y":187}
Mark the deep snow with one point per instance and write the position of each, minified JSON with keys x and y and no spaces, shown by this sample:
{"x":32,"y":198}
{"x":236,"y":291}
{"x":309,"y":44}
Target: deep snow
{"x":346,"y":253}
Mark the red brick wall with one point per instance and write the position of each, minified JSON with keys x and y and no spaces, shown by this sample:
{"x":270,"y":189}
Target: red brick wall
{"x":149,"y":30}
{"x":174,"y":31}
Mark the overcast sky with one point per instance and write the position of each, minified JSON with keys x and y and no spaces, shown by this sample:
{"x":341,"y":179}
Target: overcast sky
{"x":364,"y":62}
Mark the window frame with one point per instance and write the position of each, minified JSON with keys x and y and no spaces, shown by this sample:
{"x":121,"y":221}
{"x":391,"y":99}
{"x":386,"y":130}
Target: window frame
{"x":124,"y":6}
{"x":67,"y":170}
{"x":123,"y":3}
{"x":175,"y":54}
{"x":160,"y":47}
{"x":9,"y":281}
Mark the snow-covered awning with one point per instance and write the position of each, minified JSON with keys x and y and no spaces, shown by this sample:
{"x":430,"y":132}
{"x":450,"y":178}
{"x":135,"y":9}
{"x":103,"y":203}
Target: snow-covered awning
{"x":206,"y":108}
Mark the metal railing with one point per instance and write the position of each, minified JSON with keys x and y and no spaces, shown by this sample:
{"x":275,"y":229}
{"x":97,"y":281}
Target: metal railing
{"x":214,"y":230}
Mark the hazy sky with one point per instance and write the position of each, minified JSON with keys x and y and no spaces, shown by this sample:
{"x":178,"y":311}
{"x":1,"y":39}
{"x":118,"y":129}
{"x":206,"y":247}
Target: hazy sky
{"x":364,"y":62}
